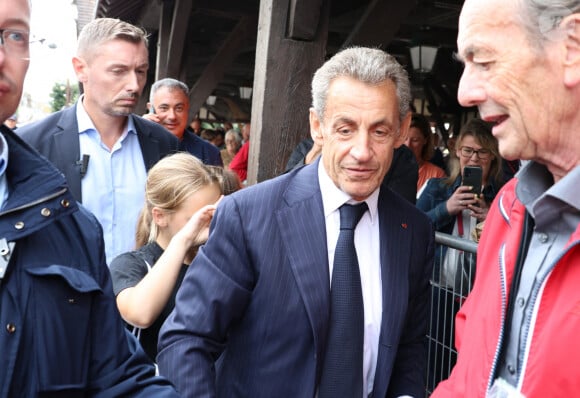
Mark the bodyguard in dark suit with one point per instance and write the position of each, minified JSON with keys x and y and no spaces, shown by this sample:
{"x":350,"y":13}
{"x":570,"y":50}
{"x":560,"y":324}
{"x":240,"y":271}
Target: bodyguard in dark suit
{"x":272,"y":292}
{"x":102,"y":148}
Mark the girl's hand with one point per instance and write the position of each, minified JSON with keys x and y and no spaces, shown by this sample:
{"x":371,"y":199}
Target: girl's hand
{"x":196,"y":231}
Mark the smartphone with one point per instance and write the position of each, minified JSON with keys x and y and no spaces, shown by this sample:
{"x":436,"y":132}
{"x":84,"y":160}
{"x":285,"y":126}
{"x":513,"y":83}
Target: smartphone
{"x":472,"y":175}
{"x":152,"y":109}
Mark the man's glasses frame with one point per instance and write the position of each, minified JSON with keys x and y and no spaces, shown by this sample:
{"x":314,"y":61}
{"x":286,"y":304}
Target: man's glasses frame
{"x":15,"y":41}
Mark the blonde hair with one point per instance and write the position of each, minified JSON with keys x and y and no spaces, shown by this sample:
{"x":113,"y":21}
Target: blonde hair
{"x":102,"y":30}
{"x":169,"y":183}
{"x":481,"y":131}
{"x":228,"y":179}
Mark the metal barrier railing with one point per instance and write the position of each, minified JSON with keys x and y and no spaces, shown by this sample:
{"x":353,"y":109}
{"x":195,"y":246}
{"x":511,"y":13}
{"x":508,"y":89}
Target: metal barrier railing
{"x":448,"y":292}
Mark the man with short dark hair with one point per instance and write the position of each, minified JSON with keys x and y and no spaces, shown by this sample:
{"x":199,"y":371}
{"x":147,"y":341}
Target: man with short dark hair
{"x":103,"y":149}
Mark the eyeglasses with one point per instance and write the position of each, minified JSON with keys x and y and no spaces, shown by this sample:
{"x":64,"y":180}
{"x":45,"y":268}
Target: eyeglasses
{"x":14,"y":41}
{"x":467,"y":151}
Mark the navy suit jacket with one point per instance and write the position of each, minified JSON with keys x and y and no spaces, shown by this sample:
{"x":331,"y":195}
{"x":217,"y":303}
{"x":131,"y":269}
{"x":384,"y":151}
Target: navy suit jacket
{"x":57,"y":138}
{"x":257,"y":294}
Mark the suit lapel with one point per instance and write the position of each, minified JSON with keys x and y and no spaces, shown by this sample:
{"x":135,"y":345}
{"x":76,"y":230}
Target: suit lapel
{"x":395,"y":244}
{"x":303,"y":231}
{"x":67,"y":150}
{"x":148,"y":143}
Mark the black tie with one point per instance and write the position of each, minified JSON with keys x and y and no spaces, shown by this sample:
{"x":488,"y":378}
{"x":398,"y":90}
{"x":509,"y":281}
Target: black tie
{"x":342,"y":374}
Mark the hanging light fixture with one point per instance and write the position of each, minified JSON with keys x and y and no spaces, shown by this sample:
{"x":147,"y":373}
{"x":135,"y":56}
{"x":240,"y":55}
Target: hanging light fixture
{"x":423,"y":58}
{"x":245,"y":92}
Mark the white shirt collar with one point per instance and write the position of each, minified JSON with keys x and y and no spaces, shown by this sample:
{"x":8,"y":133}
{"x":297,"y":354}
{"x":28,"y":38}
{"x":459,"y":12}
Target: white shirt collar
{"x":333,"y":197}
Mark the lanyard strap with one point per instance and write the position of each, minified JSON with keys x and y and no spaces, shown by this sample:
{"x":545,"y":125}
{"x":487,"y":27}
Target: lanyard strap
{"x":460,"y":223}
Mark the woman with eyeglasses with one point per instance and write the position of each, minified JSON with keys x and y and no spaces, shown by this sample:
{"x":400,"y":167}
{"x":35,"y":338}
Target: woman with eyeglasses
{"x":455,"y":209}
{"x":443,"y":199}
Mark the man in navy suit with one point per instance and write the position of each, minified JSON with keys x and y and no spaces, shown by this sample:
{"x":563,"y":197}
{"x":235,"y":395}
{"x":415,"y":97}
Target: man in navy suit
{"x":103,"y":149}
{"x":252,"y":316}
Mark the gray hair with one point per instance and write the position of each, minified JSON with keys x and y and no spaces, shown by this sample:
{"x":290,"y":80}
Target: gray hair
{"x":368,"y":65}
{"x":170,"y":84}
{"x":235,"y":134}
{"x":102,"y":30}
{"x":541,"y":18}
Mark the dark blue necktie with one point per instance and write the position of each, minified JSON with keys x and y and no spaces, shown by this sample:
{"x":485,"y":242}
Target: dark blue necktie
{"x":342,"y":374}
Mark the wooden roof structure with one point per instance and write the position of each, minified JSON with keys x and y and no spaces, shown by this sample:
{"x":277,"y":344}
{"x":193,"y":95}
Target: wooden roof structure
{"x":275,"y":46}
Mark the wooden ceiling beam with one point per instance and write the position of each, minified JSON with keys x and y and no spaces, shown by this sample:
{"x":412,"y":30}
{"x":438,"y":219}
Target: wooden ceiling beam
{"x":163,"y":40}
{"x":177,"y":37}
{"x":214,"y":71}
{"x":379,"y":23}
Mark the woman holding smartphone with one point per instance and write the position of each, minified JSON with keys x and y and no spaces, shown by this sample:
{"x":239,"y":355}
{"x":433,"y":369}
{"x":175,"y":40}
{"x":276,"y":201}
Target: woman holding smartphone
{"x":455,"y":205}
{"x":443,"y":199}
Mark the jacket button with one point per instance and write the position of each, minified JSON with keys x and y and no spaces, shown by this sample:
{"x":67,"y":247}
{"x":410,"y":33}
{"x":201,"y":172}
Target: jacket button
{"x":45,"y":212}
{"x":543,"y":238}
{"x":10,"y":328}
{"x":65,"y":203}
{"x":19,"y":225}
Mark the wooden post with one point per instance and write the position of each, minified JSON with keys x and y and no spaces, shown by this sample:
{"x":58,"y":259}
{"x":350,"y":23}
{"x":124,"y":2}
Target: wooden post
{"x":288,"y":52}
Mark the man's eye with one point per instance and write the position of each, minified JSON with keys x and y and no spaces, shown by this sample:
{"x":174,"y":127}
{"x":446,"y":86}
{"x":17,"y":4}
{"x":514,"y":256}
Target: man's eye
{"x":386,"y":134}
{"x":485,"y":65}
{"x":16,"y":37}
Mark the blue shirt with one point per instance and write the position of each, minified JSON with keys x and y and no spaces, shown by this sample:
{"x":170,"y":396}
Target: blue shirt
{"x":113,"y":188}
{"x":200,"y":148}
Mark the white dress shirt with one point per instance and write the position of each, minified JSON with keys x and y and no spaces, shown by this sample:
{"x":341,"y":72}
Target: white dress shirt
{"x":367,"y":244}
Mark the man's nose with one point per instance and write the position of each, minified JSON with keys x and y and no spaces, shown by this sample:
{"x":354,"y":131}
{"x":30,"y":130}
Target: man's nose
{"x":132,"y":84}
{"x":471,"y":91}
{"x":360,"y":149}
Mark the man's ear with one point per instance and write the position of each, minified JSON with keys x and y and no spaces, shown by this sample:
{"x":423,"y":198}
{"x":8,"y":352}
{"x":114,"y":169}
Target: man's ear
{"x":315,"y":127}
{"x":79,"y":66}
{"x":403,"y":130}
{"x":571,"y":28}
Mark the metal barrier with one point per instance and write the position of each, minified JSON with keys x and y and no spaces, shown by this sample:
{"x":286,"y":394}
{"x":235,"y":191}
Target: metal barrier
{"x":448,"y":294}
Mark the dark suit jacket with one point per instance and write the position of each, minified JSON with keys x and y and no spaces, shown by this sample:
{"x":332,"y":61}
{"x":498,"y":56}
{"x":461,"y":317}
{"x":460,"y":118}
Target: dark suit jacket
{"x":57,"y":138}
{"x":258,"y":294}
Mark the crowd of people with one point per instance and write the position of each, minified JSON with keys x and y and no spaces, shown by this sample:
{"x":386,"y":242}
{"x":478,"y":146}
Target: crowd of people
{"x":132,"y":247}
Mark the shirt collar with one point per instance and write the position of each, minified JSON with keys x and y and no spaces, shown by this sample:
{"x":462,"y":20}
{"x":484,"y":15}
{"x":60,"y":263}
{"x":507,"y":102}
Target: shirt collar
{"x":85,"y":124}
{"x":536,"y":182}
{"x":333,"y":197}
